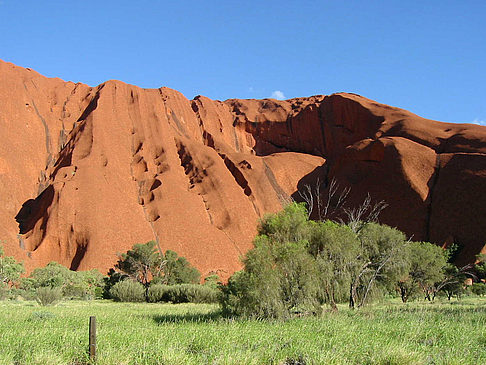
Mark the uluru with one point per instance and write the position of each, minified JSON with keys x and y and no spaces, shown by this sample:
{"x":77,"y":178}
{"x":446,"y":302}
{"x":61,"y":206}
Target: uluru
{"x":86,"y":172}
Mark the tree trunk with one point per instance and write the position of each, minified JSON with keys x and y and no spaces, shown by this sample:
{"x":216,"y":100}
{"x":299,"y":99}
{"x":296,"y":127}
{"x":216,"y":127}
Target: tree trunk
{"x":403,"y":294}
{"x":351,"y":297}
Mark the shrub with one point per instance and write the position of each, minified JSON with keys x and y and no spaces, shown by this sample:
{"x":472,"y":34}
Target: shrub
{"x":157,"y":293}
{"x":297,"y":265}
{"x":48,"y":296}
{"x":53,"y":274}
{"x":212,"y":281}
{"x":24,"y":293}
{"x":3,"y":291}
{"x":10,"y":269}
{"x":479,"y":289}
{"x":178,"y":270}
{"x":128,"y":291}
{"x":41,"y":316}
{"x":182,"y":293}
{"x":73,"y":284}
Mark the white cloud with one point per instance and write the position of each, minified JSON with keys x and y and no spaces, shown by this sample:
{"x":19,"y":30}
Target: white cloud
{"x":277,"y":94}
{"x":251,"y":89}
{"x":480,"y":122}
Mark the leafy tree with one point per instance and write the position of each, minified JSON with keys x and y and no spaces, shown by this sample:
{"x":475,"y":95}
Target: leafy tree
{"x":53,"y":275}
{"x":141,"y":263}
{"x":213,"y":281}
{"x":145,"y":264}
{"x":426,"y":267}
{"x":297,"y":265}
{"x":279,"y":276}
{"x":110,"y":280}
{"x":453,"y":283}
{"x":480,"y":266}
{"x":335,"y":247}
{"x":454,"y":277}
{"x":479,"y":289}
{"x":177,"y":270}
{"x":10,"y":269}
{"x":85,"y":284}
{"x":73,"y":284}
{"x":380,"y":260}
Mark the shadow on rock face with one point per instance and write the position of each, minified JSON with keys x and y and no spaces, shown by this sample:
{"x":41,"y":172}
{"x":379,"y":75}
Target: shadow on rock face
{"x":34,"y":210}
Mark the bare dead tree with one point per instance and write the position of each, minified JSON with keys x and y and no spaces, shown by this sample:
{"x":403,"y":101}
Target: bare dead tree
{"x":307,"y":194}
{"x":366,"y":212}
{"x":334,"y":199}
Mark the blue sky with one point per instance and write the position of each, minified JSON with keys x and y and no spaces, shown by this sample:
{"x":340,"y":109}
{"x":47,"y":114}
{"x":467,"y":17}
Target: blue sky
{"x":425,"y":56}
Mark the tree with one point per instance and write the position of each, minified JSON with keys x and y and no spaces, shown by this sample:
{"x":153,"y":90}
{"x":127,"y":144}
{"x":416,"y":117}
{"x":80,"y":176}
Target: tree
{"x":144,"y":263}
{"x":335,"y":247}
{"x":280,"y":275}
{"x":454,"y":276}
{"x":53,"y":275}
{"x":297,"y":265}
{"x":426,"y":267}
{"x":10,"y":269}
{"x":380,"y":260}
{"x":74,"y":284}
{"x":177,"y":270}
{"x":480,"y":266}
{"x":141,"y":263}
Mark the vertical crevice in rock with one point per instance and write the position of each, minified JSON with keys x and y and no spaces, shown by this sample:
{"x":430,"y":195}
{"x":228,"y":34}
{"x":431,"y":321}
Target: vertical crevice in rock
{"x":193,"y":173}
{"x":146,"y":184}
{"x":240,"y":180}
{"x":282,"y":196}
{"x":434,"y":180}
{"x":49,"y":158}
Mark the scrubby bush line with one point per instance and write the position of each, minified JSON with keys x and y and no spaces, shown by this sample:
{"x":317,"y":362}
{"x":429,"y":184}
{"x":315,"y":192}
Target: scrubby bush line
{"x":182,"y":293}
{"x":298,"y":265}
{"x":128,"y":291}
{"x":138,"y":269}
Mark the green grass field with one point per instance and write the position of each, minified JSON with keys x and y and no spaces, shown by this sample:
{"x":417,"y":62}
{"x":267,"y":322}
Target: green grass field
{"x":391,"y":333}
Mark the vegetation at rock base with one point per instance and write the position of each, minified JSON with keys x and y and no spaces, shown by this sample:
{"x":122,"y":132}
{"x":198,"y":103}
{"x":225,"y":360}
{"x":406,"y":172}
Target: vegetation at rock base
{"x":128,"y":291}
{"x":10,"y":270}
{"x":299,"y":265}
{"x":147,"y":265}
{"x":46,"y":295}
{"x":71,"y":284}
{"x":182,"y":293}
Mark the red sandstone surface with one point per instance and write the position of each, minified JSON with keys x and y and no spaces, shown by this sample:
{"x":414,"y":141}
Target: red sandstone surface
{"x":86,"y":172}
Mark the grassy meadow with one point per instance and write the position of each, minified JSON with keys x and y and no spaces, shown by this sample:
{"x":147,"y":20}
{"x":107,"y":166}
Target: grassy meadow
{"x":129,"y":333}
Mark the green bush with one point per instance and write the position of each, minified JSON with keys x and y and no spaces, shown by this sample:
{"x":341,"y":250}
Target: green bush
{"x":182,"y":293}
{"x":281,"y":278}
{"x":10,"y":269}
{"x":297,"y":265}
{"x":478,"y":289}
{"x":157,"y":293}
{"x":41,"y":316}
{"x":213,"y":281}
{"x":128,"y":291}
{"x":48,"y":296}
{"x":3,"y":291}
{"x":73,"y":284}
{"x":29,"y":294}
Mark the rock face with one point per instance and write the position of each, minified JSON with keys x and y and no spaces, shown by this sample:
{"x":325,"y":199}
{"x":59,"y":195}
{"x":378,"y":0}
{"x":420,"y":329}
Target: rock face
{"x":86,"y":172}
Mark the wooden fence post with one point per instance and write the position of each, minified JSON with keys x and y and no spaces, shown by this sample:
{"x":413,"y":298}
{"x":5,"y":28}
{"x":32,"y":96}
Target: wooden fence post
{"x":92,"y":338}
